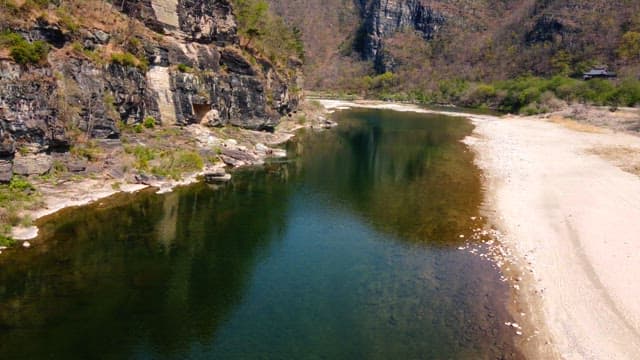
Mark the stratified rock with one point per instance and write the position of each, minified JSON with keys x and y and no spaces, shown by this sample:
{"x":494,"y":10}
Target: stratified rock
{"x":6,"y":172}
{"x":239,"y":155}
{"x":235,"y":62}
{"x":39,"y":164}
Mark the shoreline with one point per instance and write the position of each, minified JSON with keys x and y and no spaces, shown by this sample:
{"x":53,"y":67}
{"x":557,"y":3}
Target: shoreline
{"x":568,"y":243}
{"x":77,"y":193}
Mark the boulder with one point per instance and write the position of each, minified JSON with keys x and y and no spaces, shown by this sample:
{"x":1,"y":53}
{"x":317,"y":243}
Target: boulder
{"x":212,"y":118}
{"x":77,"y":166}
{"x":39,"y":164}
{"x":262,"y":148}
{"x":216,"y":175}
{"x":6,"y":171}
{"x":231,"y":161}
{"x":101,"y":36}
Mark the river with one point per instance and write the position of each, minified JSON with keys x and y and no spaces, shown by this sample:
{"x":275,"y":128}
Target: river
{"x":347,"y":249}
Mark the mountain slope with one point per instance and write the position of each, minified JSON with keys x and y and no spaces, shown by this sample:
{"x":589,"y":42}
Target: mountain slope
{"x":425,"y":41}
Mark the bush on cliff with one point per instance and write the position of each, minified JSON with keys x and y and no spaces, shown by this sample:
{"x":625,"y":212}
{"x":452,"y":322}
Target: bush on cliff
{"x":267,"y":32}
{"x":128,"y":59}
{"x":22,"y":51}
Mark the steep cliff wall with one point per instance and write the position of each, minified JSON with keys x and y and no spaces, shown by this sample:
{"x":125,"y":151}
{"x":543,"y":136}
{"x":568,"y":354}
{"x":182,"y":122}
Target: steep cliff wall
{"x":384,"y":18}
{"x":176,"y":61}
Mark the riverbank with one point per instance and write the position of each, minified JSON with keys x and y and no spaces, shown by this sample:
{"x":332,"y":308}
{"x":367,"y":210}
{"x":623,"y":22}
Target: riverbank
{"x":566,"y":197}
{"x":219,"y":148}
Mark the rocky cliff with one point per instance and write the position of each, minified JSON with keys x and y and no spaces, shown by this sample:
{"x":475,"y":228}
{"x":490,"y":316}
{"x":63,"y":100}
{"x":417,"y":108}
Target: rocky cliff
{"x":112,"y":66}
{"x":384,"y":18}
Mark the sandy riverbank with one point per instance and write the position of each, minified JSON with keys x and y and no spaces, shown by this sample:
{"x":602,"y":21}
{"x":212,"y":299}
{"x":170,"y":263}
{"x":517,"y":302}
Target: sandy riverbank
{"x":571,"y":216}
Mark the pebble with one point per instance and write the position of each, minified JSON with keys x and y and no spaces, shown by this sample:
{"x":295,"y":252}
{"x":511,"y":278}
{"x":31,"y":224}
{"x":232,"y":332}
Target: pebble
{"x":26,"y":244}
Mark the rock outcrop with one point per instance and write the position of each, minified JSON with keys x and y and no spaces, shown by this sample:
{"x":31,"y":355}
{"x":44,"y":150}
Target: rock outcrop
{"x":182,"y":64}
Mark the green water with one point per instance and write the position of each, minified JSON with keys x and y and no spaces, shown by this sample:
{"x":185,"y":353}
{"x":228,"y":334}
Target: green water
{"x":346,"y":250}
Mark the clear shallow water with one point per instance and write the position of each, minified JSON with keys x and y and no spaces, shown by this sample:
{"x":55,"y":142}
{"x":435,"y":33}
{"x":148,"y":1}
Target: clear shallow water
{"x":348,"y":250}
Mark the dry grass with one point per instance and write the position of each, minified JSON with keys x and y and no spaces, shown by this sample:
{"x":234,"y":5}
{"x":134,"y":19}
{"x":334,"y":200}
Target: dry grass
{"x":575,"y":125}
{"x":625,"y":157}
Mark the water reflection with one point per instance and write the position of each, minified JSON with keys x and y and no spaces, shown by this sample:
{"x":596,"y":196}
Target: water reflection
{"x":407,"y":171}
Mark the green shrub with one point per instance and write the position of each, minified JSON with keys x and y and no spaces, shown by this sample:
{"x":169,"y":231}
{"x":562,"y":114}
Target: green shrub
{"x":143,"y":156}
{"x":66,"y":20}
{"x":149,"y":122}
{"x":138,"y":128}
{"x":22,"y":51}
{"x":261,"y":29}
{"x":176,"y":164}
{"x":184,"y":68}
{"x":6,"y":241}
{"x":128,"y":59}
{"x":90,"y":151}
{"x":125,"y":59}
{"x":20,"y":184}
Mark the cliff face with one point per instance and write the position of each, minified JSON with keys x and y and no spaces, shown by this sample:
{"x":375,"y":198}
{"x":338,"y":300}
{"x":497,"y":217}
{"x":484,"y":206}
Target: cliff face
{"x":384,"y":18}
{"x":177,"y":61}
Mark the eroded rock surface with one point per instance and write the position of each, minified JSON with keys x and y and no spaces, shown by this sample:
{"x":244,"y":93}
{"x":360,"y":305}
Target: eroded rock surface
{"x":188,"y":67}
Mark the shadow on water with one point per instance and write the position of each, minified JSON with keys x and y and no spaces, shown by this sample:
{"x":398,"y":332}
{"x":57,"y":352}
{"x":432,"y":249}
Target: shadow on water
{"x":347,"y":251}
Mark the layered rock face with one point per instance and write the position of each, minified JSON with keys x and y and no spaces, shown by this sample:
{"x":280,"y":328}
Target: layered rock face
{"x":192,"y":69}
{"x":383,"y":18}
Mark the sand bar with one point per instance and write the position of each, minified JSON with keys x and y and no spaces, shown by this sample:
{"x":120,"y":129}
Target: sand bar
{"x":573,"y":219}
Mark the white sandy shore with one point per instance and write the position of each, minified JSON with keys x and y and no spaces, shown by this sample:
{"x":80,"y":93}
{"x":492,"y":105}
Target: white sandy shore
{"x":574,"y":221}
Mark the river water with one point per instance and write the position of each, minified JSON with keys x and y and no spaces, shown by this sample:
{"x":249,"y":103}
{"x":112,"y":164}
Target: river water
{"x":348,"y":249}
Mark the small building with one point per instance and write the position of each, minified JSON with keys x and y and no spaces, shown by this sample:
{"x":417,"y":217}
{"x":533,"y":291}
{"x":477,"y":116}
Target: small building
{"x":599,"y":72}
